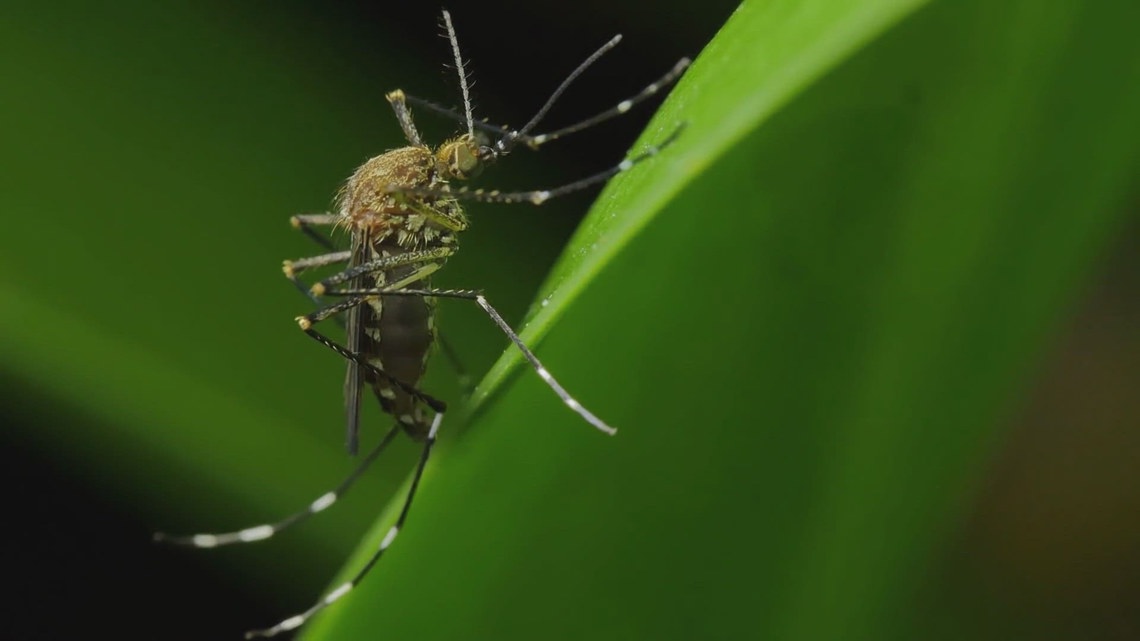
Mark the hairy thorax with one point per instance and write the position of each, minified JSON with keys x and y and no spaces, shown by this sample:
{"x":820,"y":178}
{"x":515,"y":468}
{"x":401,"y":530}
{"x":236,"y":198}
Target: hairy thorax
{"x":368,"y":204}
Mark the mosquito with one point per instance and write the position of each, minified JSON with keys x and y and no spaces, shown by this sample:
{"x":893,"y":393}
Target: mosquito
{"x":403,"y":217}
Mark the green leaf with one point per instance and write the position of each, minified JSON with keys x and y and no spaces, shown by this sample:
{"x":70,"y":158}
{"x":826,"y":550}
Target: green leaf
{"x":808,"y":318}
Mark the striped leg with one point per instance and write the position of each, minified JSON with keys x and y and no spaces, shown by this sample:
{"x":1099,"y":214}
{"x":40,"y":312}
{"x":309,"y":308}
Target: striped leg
{"x":338,"y":592}
{"x":535,"y":141}
{"x":481,"y":301}
{"x":292,"y":268}
{"x":264,"y":531}
{"x":539,"y":196}
{"x":511,"y":137}
{"x":306,"y":323}
{"x":326,"y":500}
{"x":617,"y":110}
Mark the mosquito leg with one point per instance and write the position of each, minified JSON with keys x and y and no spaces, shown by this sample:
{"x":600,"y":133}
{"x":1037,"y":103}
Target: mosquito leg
{"x":505,"y":144}
{"x":404,"y":117}
{"x":537,"y":197}
{"x":306,"y":323}
{"x":425,"y":256}
{"x":620,"y":108}
{"x":533,"y":142}
{"x":480,"y":300}
{"x":336,"y":593}
{"x":354,"y":330}
{"x":306,"y":222}
{"x":294,"y":267}
{"x":541,"y":370}
{"x":455,"y":114}
{"x":512,"y":137}
{"x":262,"y":532}
{"x":322,"y":288}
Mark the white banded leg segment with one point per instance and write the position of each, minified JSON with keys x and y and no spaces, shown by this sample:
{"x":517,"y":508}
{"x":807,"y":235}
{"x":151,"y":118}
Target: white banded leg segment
{"x":342,"y":590}
{"x":292,"y":623}
{"x":507,"y":142}
{"x":203,"y":540}
{"x":389,"y":537}
{"x":259,"y":533}
{"x":540,"y":196}
{"x":434,"y":429}
{"x":326,"y":500}
{"x":262,"y":532}
{"x":247,"y":535}
{"x":544,"y":373}
{"x":298,"y":620}
{"x":621,"y":108}
{"x":535,"y":141}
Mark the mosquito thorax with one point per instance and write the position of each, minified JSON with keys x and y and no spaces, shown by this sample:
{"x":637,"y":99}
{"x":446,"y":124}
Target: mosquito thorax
{"x":367,"y":200}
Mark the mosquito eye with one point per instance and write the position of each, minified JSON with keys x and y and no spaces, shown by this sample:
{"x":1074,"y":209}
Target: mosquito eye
{"x":464,"y":163}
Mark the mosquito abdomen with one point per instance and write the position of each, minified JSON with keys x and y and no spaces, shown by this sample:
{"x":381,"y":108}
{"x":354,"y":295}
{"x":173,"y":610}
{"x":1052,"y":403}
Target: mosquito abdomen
{"x":401,"y":331}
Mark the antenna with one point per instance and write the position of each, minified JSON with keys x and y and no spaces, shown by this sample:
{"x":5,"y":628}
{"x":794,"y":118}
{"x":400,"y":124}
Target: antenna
{"x":462,"y":72}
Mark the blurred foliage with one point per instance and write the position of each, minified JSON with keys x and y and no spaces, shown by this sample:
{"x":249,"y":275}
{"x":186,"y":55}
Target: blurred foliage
{"x":810,"y":318}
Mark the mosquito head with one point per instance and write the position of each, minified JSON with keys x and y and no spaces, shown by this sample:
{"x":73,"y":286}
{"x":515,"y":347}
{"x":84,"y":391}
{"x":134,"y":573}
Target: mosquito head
{"x":461,"y":158}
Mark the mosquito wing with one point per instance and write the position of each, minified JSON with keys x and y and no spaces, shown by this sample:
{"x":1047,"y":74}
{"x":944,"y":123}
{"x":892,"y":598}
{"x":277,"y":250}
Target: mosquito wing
{"x":354,"y":328}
